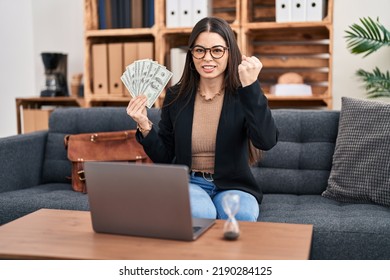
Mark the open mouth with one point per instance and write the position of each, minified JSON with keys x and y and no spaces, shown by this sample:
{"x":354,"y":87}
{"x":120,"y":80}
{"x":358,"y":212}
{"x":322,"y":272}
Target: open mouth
{"x":208,"y":68}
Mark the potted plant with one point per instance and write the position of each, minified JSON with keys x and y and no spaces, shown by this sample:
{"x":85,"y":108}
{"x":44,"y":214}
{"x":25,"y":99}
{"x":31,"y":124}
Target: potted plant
{"x":366,"y":38}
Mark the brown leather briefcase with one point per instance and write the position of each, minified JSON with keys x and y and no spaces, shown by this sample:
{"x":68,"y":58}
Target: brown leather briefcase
{"x":101,"y":146}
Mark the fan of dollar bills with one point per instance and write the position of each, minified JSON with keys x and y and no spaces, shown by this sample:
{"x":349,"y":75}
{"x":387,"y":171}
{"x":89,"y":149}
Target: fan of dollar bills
{"x":146,"y":77}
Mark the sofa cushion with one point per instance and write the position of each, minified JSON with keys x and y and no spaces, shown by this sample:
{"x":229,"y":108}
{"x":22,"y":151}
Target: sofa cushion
{"x":360,"y":169}
{"x":341,"y":231}
{"x":15,"y":204}
{"x":300,"y":162}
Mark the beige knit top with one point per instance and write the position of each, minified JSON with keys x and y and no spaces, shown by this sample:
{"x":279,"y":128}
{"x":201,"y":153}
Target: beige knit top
{"x":204,"y":132}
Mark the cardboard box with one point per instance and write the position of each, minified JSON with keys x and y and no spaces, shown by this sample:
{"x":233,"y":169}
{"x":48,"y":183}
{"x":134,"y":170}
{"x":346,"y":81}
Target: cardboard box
{"x":36,"y":119}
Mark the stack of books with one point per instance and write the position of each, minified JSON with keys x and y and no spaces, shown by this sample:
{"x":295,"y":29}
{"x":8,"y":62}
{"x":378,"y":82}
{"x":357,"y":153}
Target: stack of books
{"x":125,"y":13}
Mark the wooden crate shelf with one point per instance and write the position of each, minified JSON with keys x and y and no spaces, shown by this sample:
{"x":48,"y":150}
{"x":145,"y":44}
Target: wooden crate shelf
{"x":301,"y":47}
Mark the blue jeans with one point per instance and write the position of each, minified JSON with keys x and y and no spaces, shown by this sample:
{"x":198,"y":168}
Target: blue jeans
{"x":206,"y":201}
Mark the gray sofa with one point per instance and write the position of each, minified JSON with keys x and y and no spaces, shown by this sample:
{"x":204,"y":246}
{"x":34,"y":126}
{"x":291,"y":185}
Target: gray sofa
{"x":293,"y":175}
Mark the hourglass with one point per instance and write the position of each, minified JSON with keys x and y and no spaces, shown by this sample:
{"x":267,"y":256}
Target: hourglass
{"x":231,"y":205}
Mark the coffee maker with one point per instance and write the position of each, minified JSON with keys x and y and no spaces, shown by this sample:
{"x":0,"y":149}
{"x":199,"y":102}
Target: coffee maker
{"x":55,"y":75}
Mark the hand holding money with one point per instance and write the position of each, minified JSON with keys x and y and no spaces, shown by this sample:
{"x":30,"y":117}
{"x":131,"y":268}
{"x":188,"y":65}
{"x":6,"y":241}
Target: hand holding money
{"x":137,"y":110}
{"x":146,"y":77}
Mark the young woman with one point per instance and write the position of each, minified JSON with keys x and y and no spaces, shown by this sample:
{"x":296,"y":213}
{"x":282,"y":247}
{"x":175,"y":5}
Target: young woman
{"x":208,"y":120}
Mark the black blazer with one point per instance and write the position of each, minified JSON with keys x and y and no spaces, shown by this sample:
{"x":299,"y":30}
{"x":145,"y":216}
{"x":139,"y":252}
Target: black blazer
{"x":244,"y":114}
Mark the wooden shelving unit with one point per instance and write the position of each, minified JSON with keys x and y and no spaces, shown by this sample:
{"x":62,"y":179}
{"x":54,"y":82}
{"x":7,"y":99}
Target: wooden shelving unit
{"x":302,"y":47}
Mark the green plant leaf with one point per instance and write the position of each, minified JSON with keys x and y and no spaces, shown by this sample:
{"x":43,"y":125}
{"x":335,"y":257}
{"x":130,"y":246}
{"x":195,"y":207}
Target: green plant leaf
{"x":376,"y":82}
{"x":367,"y":37}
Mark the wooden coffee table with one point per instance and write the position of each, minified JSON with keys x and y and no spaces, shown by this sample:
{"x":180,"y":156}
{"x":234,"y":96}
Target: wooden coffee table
{"x":64,"y":234}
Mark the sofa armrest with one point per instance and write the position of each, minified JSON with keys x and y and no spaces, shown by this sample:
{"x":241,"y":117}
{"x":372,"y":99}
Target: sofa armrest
{"x":21,"y":160}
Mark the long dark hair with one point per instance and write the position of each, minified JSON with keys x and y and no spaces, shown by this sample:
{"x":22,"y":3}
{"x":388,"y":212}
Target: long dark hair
{"x":189,"y":81}
{"x":190,"y":78}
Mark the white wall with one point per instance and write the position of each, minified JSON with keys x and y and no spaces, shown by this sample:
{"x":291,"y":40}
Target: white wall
{"x":16,"y":59}
{"x":345,"y":64}
{"x":58,"y":27}
{"x":29,"y":27}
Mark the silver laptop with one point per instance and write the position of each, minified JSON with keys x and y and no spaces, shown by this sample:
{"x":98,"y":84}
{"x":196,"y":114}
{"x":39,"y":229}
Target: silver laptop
{"x":149,"y":200}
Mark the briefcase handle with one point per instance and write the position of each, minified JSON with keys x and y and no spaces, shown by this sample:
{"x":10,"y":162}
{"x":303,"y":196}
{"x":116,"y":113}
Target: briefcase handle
{"x":120,"y":136}
{"x":103,"y":136}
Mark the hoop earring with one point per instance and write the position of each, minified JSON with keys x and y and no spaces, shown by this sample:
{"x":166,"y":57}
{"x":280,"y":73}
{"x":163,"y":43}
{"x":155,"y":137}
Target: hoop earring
{"x":192,"y":66}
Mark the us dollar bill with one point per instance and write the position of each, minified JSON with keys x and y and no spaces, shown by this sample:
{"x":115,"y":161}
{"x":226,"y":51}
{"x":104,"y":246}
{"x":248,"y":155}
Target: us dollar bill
{"x":156,"y":85}
{"x":146,"y":77}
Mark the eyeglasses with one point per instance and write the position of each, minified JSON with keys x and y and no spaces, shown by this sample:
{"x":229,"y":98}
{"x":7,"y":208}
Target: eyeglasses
{"x":216,"y":52}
